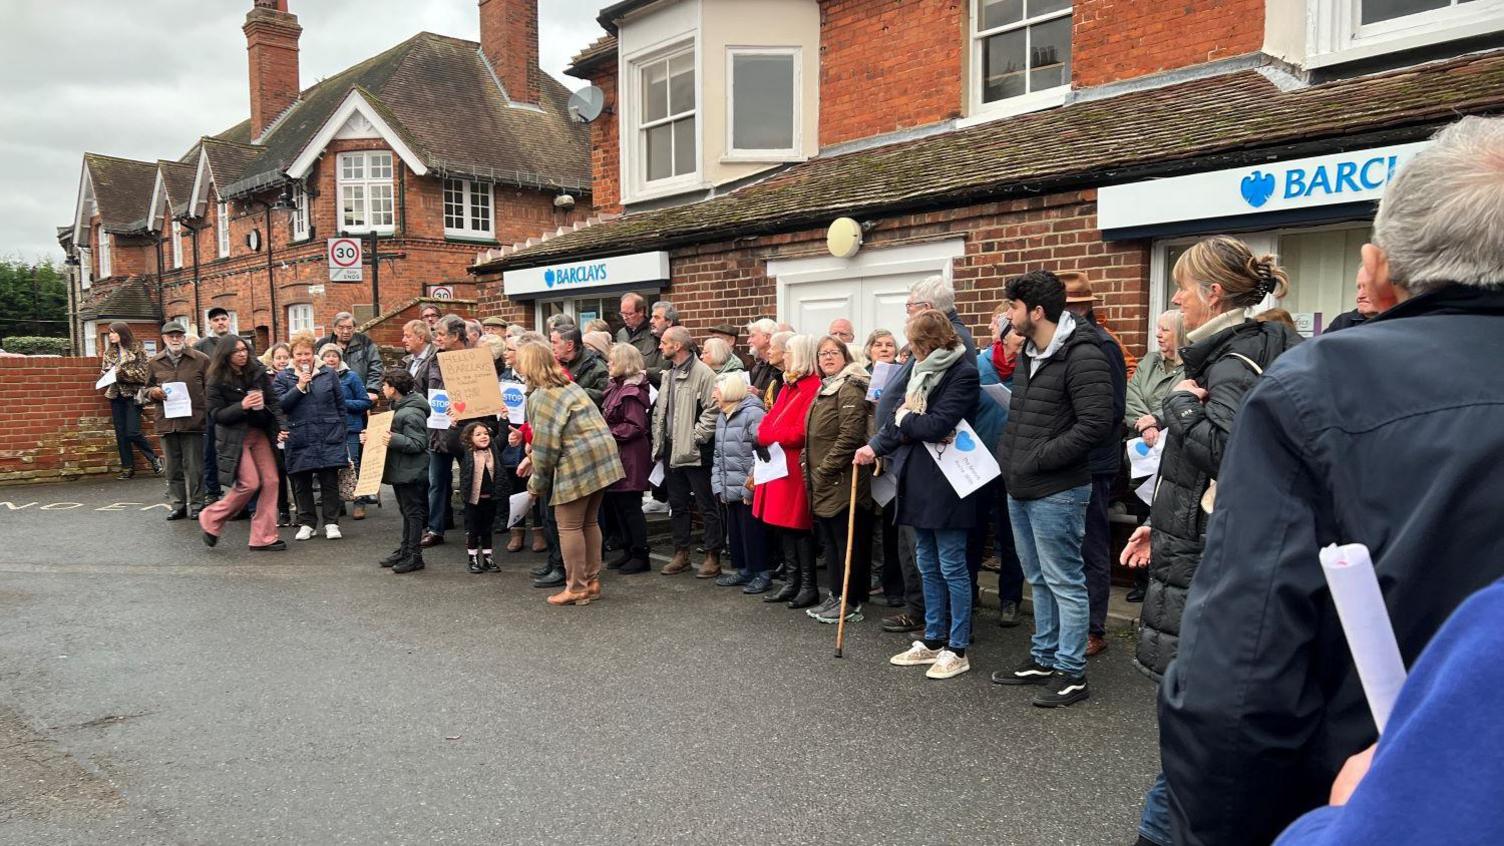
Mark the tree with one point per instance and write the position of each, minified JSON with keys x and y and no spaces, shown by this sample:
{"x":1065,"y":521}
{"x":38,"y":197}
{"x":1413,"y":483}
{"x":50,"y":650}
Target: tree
{"x":33,"y":299}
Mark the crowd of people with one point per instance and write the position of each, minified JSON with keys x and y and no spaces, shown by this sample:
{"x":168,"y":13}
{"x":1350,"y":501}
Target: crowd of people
{"x":809,"y":452}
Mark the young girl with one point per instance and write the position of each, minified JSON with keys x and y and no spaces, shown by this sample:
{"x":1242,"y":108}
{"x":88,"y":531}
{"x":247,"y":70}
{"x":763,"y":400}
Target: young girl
{"x":484,"y":486}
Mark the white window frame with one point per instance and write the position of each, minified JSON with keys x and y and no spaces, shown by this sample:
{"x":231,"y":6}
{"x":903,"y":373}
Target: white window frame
{"x":1338,"y":34}
{"x":177,"y":245}
{"x":106,"y":261}
{"x":980,"y":111}
{"x":300,"y":214}
{"x":222,"y":228}
{"x":234,"y":319}
{"x":299,"y":318}
{"x":794,"y":152}
{"x":91,"y":337}
{"x":366,"y":183}
{"x":85,"y":267}
{"x":469,"y":191}
{"x":634,"y":146}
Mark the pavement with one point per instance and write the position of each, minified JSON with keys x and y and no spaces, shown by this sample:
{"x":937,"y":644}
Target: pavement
{"x":155,"y":691}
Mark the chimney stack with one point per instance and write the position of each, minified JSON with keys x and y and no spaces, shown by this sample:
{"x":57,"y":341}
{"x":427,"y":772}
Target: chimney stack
{"x":271,"y":40}
{"x":509,"y":41}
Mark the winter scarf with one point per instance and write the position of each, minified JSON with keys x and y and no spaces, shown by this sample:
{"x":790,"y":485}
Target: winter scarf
{"x":927,"y":375}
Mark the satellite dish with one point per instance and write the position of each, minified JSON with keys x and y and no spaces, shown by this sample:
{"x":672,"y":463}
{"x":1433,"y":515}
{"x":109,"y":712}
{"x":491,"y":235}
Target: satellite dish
{"x":587,"y":104}
{"x":844,"y":238}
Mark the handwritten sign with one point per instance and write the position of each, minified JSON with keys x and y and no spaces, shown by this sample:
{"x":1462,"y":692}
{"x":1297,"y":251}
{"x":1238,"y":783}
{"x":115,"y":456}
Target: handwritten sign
{"x":966,"y":461}
{"x":470,"y":379}
{"x":373,"y":455}
{"x":514,"y":397}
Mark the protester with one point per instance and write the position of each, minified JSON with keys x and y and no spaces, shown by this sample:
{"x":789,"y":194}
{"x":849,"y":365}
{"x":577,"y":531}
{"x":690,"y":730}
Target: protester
{"x":777,"y":347}
{"x":584,"y":368}
{"x":1160,"y":370}
{"x":599,"y":344}
{"x":719,"y":357}
{"x":838,"y":423}
{"x":683,"y":435}
{"x":278,"y":358}
{"x":638,"y":331}
{"x":842,"y":330}
{"x":357,"y":402}
{"x":995,"y":366}
{"x":664,"y":315}
{"x":759,"y":335}
{"x":443,"y":443}
{"x":363,"y":359}
{"x":417,"y":340}
{"x":1278,"y":315}
{"x":129,"y":361}
{"x":512,"y":456}
{"x":474,"y":332}
{"x":881,"y":346}
{"x":494,"y":326}
{"x":313,"y":400}
{"x":731,"y":468}
{"x":1361,"y":437}
{"x":181,"y":437}
{"x":573,"y":462}
{"x":628,"y":412}
{"x":728,"y":333}
{"x":784,"y":502}
{"x":429,"y":314}
{"x":248,"y":420}
{"x":1368,"y":304}
{"x":407,"y":466}
{"x":219,"y":329}
{"x":1062,"y":404}
{"x":485,"y":488}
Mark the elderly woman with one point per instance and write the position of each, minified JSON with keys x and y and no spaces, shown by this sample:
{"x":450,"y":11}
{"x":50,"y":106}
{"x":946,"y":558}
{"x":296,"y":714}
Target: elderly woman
{"x":783,"y":503}
{"x":730,"y":473}
{"x":1160,"y":371}
{"x":881,"y":346}
{"x":718,"y":356}
{"x":628,"y":411}
{"x":248,"y":421}
{"x":777,"y":351}
{"x":840,"y":420}
{"x":942,"y":390}
{"x":573,"y":461}
{"x":124,"y":355}
{"x":312,"y":396}
{"x":357,"y":403}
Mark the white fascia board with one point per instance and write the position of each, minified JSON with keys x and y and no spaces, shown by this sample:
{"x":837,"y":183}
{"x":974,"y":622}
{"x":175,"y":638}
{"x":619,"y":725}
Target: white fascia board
{"x":85,"y":191}
{"x":354,"y":103}
{"x":201,"y":179}
{"x":158,"y":198}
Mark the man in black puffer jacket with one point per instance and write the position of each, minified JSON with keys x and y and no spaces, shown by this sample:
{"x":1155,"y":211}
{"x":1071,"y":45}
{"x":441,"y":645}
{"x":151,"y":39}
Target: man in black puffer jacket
{"x":1061,"y":408}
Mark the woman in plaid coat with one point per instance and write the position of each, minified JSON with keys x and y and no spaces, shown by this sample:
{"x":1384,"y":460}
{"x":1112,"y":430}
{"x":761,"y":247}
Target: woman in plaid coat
{"x":573,"y":461}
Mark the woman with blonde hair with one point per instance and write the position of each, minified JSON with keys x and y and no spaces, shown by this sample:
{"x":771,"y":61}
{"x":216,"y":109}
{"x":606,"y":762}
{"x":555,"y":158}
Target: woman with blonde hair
{"x":784,"y":502}
{"x":629,"y":412}
{"x":1159,"y":371}
{"x":573,"y":460}
{"x":718,"y":356}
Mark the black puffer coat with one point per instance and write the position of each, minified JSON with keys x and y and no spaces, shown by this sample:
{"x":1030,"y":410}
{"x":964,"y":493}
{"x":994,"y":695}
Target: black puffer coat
{"x":231,"y":421}
{"x":1196,"y":438}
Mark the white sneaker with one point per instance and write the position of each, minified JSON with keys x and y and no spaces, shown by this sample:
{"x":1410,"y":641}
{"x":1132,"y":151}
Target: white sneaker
{"x":947,"y":665}
{"x":304,"y":533}
{"x":653,"y":506}
{"x":918,"y":655}
{"x":331,"y":531}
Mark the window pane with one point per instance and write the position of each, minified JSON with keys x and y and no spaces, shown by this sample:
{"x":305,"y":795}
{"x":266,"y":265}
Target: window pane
{"x":454,"y":204}
{"x":382,"y":206}
{"x":682,"y":84}
{"x":660,"y":152}
{"x":1327,"y":263}
{"x":352,"y":205}
{"x":1050,"y":54}
{"x":1003,"y":66}
{"x":1383,"y":10}
{"x":381,"y":165}
{"x":352,"y":167}
{"x":480,"y":208}
{"x":763,"y":94}
{"x":655,"y":92}
{"x":1044,"y":7}
{"x":684,"y":146}
{"x":996,"y":13}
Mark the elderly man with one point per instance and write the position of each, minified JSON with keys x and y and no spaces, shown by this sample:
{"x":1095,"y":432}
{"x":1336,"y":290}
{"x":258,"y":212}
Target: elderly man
{"x":636,"y":328}
{"x":179,"y":367}
{"x":1389,"y":437}
{"x":760,"y":333}
{"x":494,"y":326}
{"x":683,"y":438}
{"x":585,"y":367}
{"x":842,"y":330}
{"x":1369,"y":305}
{"x":443,"y":444}
{"x":364,"y":360}
{"x":417,"y":339}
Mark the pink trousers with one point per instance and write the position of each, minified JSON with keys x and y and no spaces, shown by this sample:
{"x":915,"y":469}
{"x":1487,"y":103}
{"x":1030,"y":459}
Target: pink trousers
{"x":257,"y":471}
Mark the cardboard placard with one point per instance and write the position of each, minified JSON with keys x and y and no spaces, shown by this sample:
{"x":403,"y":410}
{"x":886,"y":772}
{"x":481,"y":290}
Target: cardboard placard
{"x":470,"y":380}
{"x":373,"y":455}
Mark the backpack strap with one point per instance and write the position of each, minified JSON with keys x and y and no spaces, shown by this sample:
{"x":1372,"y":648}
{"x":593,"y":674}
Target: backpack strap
{"x":1253,"y":365}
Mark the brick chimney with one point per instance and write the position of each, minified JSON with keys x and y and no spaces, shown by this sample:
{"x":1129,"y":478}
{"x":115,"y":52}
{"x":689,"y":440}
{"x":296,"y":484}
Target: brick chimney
{"x":509,"y":40}
{"x":271,"y":40}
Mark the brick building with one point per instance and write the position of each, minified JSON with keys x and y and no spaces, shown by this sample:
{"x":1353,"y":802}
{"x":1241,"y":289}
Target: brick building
{"x":982,"y":139}
{"x":433,"y":147}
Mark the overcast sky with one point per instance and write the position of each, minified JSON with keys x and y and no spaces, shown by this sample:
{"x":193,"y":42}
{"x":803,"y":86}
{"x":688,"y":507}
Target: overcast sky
{"x":143,"y":79}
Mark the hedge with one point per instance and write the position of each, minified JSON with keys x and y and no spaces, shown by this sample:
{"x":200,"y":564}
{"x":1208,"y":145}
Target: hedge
{"x":36,"y":346}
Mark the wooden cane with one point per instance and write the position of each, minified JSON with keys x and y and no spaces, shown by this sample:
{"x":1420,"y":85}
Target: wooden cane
{"x":846,"y":577}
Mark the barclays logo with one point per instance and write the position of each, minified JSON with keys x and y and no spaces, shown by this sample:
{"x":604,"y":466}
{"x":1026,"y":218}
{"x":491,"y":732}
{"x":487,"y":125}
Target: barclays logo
{"x":579,"y":274}
{"x":1257,"y":188}
{"x":1356,"y":177}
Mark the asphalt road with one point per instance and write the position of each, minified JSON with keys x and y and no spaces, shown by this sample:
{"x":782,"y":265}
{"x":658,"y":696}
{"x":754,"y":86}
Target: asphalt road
{"x":155,"y":691}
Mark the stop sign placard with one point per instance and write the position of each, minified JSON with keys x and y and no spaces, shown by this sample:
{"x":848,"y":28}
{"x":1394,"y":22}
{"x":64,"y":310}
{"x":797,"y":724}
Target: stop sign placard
{"x":346,"y":263}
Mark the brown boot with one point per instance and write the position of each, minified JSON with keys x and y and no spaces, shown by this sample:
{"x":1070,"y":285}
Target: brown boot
{"x":679,"y":564}
{"x":540,"y":543}
{"x":515,"y":544}
{"x":711,"y":566}
{"x":593,"y":589}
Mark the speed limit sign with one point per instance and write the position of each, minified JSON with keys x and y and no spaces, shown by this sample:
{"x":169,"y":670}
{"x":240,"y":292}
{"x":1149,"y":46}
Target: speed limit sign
{"x":345,"y":260}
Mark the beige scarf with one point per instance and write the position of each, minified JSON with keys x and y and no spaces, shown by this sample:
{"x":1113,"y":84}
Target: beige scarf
{"x":482,"y":464}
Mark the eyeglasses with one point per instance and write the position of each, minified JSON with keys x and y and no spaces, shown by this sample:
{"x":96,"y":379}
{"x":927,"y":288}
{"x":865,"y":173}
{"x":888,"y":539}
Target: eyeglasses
{"x":831,"y":353}
{"x":917,"y":305}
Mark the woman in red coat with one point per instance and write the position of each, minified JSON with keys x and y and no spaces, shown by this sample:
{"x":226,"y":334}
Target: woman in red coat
{"x":784,"y":503}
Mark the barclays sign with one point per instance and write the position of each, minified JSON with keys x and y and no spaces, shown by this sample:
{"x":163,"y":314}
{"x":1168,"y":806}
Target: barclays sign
{"x":1352,"y":177}
{"x":635,"y":269}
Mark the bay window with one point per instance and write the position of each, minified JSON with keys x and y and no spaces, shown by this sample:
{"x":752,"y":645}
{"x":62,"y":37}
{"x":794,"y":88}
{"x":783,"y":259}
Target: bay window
{"x":366,"y":197}
{"x":666,"y":136}
{"x":467,"y":209}
{"x":764,"y":109}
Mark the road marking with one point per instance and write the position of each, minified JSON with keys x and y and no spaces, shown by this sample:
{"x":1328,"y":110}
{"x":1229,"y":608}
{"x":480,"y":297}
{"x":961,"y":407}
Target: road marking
{"x":69,"y":506}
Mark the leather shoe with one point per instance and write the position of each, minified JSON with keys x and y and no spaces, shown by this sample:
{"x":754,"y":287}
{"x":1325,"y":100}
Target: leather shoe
{"x":1095,"y":645}
{"x":178,"y":514}
{"x":274,"y":546}
{"x":538,"y":571}
{"x":552,"y":579}
{"x":210,"y":540}
{"x":430,"y":539}
{"x":195,"y":511}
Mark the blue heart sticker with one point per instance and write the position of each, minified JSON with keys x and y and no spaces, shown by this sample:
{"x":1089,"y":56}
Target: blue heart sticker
{"x":1257,"y":188}
{"x":1143,"y":448}
{"x":964,"y":442}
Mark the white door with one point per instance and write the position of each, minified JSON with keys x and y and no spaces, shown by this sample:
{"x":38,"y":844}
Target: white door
{"x":874,"y":303}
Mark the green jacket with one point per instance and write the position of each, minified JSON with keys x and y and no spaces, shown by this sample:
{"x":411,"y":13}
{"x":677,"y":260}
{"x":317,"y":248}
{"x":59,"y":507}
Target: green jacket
{"x":690,"y":424}
{"x":407,"y":454}
{"x":839,"y":423}
{"x":1149,"y":386}
{"x":647,"y":344}
{"x":574,"y":454}
{"x":732,"y":365}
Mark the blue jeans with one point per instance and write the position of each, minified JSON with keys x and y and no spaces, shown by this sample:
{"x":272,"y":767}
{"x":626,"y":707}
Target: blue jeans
{"x":941,"y":557}
{"x":1154,"y":823}
{"x":1048,"y":533}
{"x":440,"y":491}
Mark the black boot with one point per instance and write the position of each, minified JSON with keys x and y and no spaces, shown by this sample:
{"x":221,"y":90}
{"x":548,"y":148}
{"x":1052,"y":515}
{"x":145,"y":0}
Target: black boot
{"x":409,"y":564}
{"x":538,"y":571}
{"x":790,"y":587}
{"x":620,"y":561}
{"x":396,"y":557}
{"x":809,"y":581}
{"x":487,"y":562}
{"x":636,"y":563}
{"x":473,"y":564}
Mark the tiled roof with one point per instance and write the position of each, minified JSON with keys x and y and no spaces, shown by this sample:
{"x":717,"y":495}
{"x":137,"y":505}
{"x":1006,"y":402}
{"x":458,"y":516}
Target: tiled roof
{"x":128,"y":301}
{"x":228,"y":161}
{"x":177,"y":178}
{"x":122,"y":190}
{"x":440,"y":94}
{"x":603,"y":48}
{"x":1091,"y":142}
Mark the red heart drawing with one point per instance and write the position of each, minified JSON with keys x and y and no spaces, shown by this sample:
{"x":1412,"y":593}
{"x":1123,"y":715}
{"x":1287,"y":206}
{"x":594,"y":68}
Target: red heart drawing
{"x":458,"y":406}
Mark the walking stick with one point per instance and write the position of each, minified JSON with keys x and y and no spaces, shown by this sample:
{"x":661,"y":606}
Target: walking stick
{"x":846,"y":577}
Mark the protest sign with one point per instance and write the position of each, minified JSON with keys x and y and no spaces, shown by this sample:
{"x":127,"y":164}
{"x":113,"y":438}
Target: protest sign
{"x":655,"y":478}
{"x":470,"y":379}
{"x":438,"y":408}
{"x":519,"y":504}
{"x":1143,"y":458}
{"x":882,"y":374}
{"x":373,"y":455}
{"x":106,"y":379}
{"x":998,"y":394}
{"x":966,"y":461}
{"x":514,"y":397}
{"x":177,"y":403}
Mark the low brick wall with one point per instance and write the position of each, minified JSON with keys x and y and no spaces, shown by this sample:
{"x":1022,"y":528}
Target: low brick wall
{"x":54,"y":425}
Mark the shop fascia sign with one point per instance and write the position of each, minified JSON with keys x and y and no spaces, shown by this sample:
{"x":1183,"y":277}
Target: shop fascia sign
{"x":568,"y":277}
{"x":1352,"y":177}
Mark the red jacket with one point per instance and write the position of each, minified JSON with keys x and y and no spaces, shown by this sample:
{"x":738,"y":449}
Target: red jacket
{"x":785,"y":502}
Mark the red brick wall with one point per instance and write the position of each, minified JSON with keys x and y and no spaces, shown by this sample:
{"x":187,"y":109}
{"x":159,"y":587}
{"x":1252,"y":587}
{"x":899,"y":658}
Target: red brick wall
{"x":509,"y":40}
{"x":272,"y":46}
{"x":1122,"y":39}
{"x":887,"y":65}
{"x":605,"y":141}
{"x":67,"y":436}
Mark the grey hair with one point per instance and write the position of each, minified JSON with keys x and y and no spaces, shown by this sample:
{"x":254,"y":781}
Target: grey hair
{"x":670,"y":312}
{"x":342,"y":317}
{"x":419,"y":328}
{"x":765,"y":326}
{"x":473,"y":327}
{"x":940,"y":294}
{"x":718,"y":351}
{"x":1442,"y":216}
{"x":570,"y":335}
{"x":780,"y":339}
{"x":799,"y":355}
{"x":454,"y":326}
